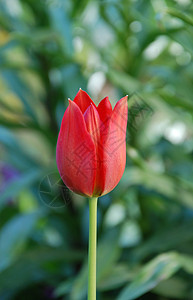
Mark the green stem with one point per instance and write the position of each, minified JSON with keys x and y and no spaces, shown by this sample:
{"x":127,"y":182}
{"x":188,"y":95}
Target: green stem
{"x":92,"y":248}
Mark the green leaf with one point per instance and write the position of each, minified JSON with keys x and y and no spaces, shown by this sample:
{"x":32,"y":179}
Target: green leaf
{"x":175,"y":288}
{"x":123,"y":80}
{"x":173,"y":186}
{"x":183,"y":38}
{"x":62,"y":24}
{"x":168,"y":238}
{"x":161,"y":268}
{"x":63,"y":288}
{"x":31,"y":267}
{"x":14,"y":234}
{"x":176,"y":101}
{"x":18,"y":87}
{"x":187,"y":263}
{"x":116,"y":277}
{"x":16,"y":153}
{"x":180,"y":15}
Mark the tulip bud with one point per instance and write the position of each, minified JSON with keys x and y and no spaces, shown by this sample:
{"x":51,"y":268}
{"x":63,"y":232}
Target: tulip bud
{"x":91,"y":146}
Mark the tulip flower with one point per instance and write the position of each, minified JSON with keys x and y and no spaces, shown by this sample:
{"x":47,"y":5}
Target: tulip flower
{"x":91,"y":157}
{"x":91,"y":149}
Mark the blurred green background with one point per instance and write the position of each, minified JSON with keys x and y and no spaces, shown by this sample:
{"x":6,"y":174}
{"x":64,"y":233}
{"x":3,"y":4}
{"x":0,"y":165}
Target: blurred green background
{"x":48,"y":50}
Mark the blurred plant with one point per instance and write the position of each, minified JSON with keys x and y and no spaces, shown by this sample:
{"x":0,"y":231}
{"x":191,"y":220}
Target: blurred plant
{"x":48,"y":50}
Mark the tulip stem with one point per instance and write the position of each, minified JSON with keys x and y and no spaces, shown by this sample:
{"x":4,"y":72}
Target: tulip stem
{"x":92,"y":248}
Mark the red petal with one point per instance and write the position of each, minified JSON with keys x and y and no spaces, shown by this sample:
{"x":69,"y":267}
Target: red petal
{"x":104,"y":109}
{"x":93,"y":124}
{"x":113,"y":147}
{"x":75,"y":153}
{"x":83,"y":100}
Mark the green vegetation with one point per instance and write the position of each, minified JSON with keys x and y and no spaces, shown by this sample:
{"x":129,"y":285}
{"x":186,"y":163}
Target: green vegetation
{"x":48,"y":50}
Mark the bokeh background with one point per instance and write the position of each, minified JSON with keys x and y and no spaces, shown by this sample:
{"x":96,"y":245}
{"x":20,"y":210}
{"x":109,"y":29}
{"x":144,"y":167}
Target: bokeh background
{"x":48,"y":50}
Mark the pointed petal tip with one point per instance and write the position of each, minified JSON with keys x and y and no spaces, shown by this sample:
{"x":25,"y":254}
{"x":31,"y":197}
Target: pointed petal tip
{"x":83,"y":100}
{"x":80,"y":91}
{"x":104,"y":109}
{"x":91,"y":109}
{"x":105,"y":98}
{"x":72,"y":105}
{"x":122,"y":101}
{"x":70,"y":102}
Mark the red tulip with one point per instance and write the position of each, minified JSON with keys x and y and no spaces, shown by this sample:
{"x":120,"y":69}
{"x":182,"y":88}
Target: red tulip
{"x":91,"y":147}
